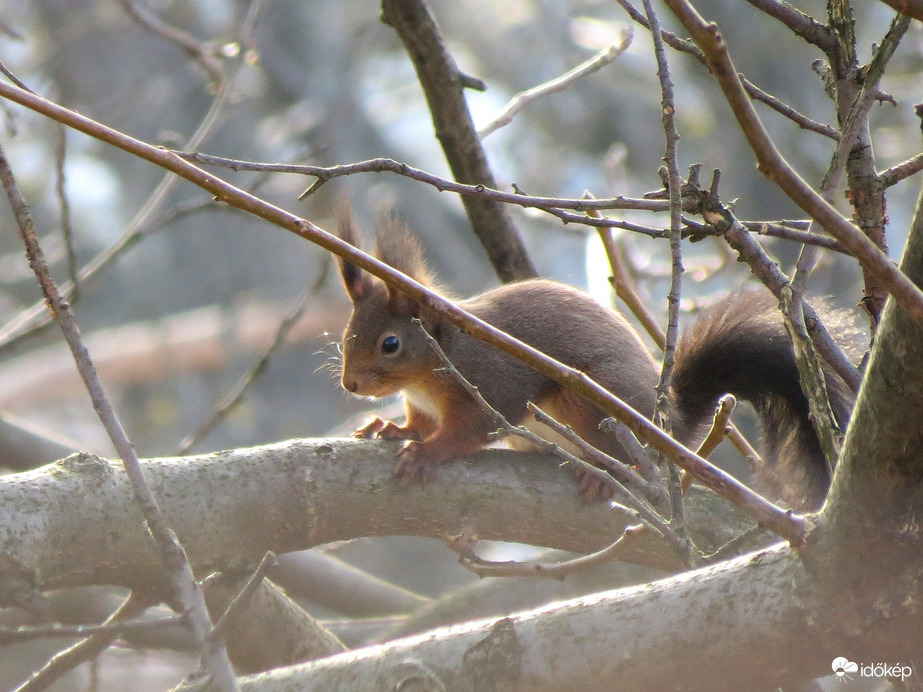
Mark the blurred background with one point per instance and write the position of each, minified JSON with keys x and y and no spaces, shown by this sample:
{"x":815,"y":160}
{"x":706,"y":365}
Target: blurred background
{"x":185,"y":295}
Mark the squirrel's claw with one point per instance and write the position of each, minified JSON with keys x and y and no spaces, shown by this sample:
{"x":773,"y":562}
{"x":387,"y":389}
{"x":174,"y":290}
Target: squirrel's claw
{"x":370,"y":430}
{"x":592,"y":487}
{"x":413,"y":466}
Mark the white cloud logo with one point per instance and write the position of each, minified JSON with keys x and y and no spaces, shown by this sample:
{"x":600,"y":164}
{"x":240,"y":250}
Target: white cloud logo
{"x":842,"y":666}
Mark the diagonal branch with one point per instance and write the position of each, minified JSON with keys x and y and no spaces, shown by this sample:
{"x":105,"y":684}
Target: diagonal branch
{"x":771,"y":163}
{"x":685,"y":46}
{"x":605,"y":57}
{"x":801,"y":23}
{"x":182,"y":579}
{"x":443,"y":84}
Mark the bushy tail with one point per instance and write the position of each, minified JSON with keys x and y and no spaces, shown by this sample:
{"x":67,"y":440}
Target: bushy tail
{"x":741,"y":347}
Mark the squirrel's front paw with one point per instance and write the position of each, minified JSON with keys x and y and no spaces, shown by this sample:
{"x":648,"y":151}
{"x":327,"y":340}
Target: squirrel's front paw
{"x":379,"y":429}
{"x":413,"y":466}
{"x":370,"y":429}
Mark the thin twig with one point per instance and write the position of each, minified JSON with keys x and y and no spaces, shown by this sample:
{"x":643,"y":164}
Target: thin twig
{"x":673,"y":186}
{"x":65,"y":661}
{"x":240,"y":600}
{"x":623,"y":284}
{"x":620,"y":493}
{"x":754,"y":91}
{"x":776,"y":230}
{"x":556,"y":570}
{"x":812,"y":377}
{"x":901,"y":171}
{"x":768,"y":271}
{"x":605,"y":57}
{"x":14,"y":635}
{"x":36,"y":316}
{"x":681,"y":545}
{"x":174,"y":558}
{"x":801,"y":23}
{"x":234,"y":397}
{"x":552,"y":205}
{"x":201,"y":51}
{"x":67,"y":230}
{"x":643,"y":459}
{"x":624,"y":474}
{"x":720,"y":426}
{"x":744,"y":447}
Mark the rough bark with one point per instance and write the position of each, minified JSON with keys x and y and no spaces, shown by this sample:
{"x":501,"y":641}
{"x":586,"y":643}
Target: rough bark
{"x":735,"y":626}
{"x":231,"y":507}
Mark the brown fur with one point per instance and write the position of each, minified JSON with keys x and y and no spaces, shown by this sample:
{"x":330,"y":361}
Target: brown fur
{"x":741,"y":348}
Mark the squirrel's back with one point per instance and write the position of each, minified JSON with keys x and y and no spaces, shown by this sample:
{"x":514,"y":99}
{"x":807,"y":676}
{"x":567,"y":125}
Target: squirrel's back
{"x":572,"y":327}
{"x":741,"y":347}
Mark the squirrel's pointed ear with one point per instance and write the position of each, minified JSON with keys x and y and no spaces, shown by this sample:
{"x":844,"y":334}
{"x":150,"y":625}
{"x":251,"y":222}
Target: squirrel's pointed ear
{"x":357,"y":282}
{"x":396,"y":247}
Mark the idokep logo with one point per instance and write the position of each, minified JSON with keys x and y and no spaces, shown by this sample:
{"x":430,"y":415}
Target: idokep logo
{"x":842,"y":667}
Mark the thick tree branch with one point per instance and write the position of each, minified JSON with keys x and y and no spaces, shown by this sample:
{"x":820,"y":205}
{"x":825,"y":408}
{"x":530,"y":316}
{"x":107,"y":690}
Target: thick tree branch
{"x":640,"y":641}
{"x":231,"y":507}
{"x":875,"y":498}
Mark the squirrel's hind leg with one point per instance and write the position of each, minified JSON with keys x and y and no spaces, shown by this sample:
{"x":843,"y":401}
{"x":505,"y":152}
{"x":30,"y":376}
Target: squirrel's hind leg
{"x":584,"y":418}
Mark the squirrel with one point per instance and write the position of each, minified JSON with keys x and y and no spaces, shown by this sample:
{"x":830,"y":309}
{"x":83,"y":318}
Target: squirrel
{"x":741,"y":347}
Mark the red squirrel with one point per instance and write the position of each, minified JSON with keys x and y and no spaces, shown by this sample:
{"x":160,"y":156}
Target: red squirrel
{"x":739,"y":348}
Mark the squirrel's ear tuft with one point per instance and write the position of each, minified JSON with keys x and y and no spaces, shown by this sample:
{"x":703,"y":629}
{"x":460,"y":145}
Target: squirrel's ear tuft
{"x":396,"y":247}
{"x":357,"y":282}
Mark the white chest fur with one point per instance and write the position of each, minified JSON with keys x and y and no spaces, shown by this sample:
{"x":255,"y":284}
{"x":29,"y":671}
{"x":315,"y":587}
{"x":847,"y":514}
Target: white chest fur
{"x":422,"y":401}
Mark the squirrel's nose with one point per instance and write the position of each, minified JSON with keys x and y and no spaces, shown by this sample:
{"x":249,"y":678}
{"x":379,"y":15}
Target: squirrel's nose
{"x":350,"y":385}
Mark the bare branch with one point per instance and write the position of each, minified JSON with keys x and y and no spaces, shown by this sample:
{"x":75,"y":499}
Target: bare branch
{"x":801,"y":23}
{"x":776,"y":281}
{"x":67,"y":230}
{"x":901,"y":171}
{"x":673,"y":186}
{"x":443,"y":85}
{"x":65,"y":661}
{"x":605,"y":57}
{"x":200,"y":51}
{"x":592,"y":466}
{"x":754,"y":91}
{"x":774,"y":166}
{"x":234,"y":397}
{"x":219,"y":631}
{"x":113,"y":629}
{"x":555,"y":570}
{"x":35,"y":317}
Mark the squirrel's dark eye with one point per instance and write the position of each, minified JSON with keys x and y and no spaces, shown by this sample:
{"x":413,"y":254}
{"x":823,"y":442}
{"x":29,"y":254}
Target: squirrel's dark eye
{"x":390,"y":345}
